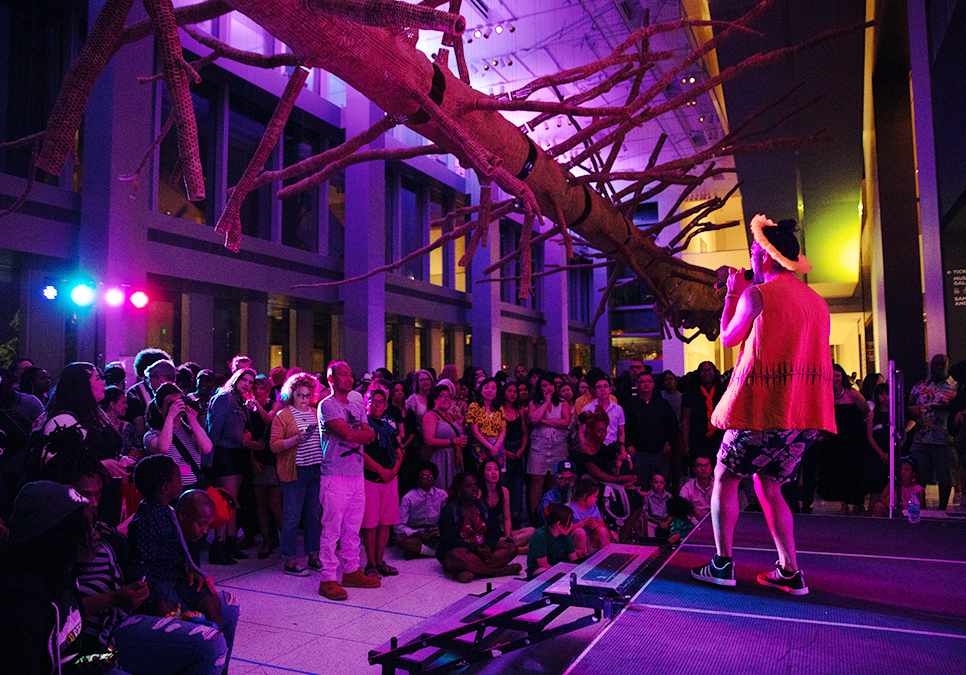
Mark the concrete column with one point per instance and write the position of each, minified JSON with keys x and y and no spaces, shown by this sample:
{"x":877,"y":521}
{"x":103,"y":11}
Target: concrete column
{"x":932,"y":250}
{"x":42,"y":334}
{"x":485,"y":313}
{"x":459,"y":341}
{"x":111,"y":237}
{"x":304,"y":328}
{"x":601,"y":340}
{"x":436,"y":347}
{"x":556,"y":309}
{"x":364,"y":327}
{"x":197,"y":325}
{"x":256,"y":320}
{"x":407,"y":344}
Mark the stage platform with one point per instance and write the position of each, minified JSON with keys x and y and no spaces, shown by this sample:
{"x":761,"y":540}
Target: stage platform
{"x":887,"y":597}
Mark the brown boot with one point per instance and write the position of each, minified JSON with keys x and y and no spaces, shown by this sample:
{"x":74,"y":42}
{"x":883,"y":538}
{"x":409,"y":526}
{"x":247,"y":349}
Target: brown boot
{"x":332,"y":590}
{"x":358,"y":579}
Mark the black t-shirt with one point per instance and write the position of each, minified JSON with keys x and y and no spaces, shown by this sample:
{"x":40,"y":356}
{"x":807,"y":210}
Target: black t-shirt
{"x":383,"y":449}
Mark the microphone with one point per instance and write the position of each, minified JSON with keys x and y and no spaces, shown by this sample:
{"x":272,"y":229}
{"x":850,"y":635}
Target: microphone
{"x":749,"y":275}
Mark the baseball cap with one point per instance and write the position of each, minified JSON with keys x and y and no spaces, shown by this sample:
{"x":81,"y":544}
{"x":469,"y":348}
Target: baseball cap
{"x":40,"y":506}
{"x":565,"y":465}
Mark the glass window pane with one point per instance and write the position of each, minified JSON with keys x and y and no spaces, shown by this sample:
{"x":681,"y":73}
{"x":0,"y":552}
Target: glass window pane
{"x":411,"y":227}
{"x":172,"y":197}
{"x":300,"y":212}
{"x":337,"y":216}
{"x":246,"y":126}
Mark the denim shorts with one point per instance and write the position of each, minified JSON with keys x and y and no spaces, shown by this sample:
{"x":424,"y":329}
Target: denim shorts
{"x":772,"y":453}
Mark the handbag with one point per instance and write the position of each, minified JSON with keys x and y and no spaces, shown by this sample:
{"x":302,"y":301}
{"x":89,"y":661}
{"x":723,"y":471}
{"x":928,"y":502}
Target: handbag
{"x":225,"y":504}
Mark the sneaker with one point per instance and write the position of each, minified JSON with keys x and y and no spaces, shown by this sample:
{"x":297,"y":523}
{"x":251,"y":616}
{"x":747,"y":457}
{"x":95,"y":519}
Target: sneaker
{"x":296,"y":570}
{"x":332,"y":590}
{"x":358,"y":579}
{"x":794,"y":584}
{"x":720,"y":576}
{"x":315,"y":565}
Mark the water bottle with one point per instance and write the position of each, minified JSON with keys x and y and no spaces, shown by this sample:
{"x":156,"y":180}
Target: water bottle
{"x":913,"y":508}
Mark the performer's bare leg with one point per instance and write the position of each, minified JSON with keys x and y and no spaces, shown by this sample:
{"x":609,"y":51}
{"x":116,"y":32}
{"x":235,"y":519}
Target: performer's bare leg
{"x":779,"y":518}
{"x":724,"y":508}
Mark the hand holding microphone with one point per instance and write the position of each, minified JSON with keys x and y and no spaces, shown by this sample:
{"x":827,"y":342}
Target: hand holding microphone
{"x":749,"y":275}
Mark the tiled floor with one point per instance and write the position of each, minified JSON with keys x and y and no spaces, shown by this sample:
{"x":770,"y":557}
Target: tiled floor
{"x":286,"y":627}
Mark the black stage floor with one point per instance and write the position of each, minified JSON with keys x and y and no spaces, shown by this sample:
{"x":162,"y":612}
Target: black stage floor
{"x":886,"y":597}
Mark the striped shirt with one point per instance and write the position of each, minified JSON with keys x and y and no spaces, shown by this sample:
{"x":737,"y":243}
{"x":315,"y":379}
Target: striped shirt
{"x":102,"y":574}
{"x":188,"y":477}
{"x":309,"y":452}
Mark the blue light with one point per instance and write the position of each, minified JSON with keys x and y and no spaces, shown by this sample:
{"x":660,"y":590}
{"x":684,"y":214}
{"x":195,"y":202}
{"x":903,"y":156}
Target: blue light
{"x":83,"y":295}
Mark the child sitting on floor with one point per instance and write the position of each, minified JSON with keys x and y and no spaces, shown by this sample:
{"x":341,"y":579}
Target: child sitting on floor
{"x":678,"y":522}
{"x":551,"y":543}
{"x":589,"y":532}
{"x":158,"y":548}
{"x":655,"y":507}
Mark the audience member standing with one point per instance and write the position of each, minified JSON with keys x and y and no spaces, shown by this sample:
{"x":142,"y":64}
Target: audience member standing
{"x":75,"y":404}
{"x":549,"y":416}
{"x":296,"y":442}
{"x":843,"y":454}
{"x":486,"y":425}
{"x":929,"y":403}
{"x":227,"y":421}
{"x":344,"y":430}
{"x":652,"y":428}
{"x":382,"y":461}
{"x":699,"y":437}
{"x":443,"y":438}
{"x":516,"y":443}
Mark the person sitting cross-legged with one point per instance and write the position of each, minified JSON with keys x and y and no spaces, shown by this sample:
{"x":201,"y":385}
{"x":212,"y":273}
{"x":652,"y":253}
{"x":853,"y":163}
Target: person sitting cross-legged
{"x":551,"y":543}
{"x":417,"y":533}
{"x":469,"y":536}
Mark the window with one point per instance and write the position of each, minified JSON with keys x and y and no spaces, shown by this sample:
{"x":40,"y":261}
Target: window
{"x":337,"y":216}
{"x":300,"y":212}
{"x":437,"y":268}
{"x":9,"y":313}
{"x":37,"y":42}
{"x":578,"y":291}
{"x":172,"y":197}
{"x":226,"y":333}
{"x":411,"y":226}
{"x":510,"y":232}
{"x":246,"y":126}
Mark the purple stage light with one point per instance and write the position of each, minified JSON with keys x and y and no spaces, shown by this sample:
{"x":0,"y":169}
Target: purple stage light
{"x":114,"y":297}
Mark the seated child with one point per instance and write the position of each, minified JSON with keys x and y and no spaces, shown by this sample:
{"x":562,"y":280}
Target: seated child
{"x":159,"y":552}
{"x":418,"y":530}
{"x":908,"y":486}
{"x":551,"y":543}
{"x":589,"y":532}
{"x":655,"y":507}
{"x":678,"y":522}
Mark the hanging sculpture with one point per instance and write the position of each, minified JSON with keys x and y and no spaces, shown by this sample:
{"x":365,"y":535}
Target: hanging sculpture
{"x":370,"y":44}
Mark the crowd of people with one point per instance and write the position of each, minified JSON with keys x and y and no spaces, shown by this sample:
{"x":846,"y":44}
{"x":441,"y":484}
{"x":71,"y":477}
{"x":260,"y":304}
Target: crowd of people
{"x":115,"y":487}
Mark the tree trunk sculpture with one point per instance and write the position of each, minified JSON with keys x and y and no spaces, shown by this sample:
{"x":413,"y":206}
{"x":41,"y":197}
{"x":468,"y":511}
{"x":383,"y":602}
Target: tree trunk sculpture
{"x":370,"y":44}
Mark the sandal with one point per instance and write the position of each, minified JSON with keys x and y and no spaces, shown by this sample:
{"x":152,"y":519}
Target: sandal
{"x":386,"y":570}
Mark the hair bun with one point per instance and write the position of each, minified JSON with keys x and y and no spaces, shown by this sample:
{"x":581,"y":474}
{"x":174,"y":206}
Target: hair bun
{"x":787,"y":225}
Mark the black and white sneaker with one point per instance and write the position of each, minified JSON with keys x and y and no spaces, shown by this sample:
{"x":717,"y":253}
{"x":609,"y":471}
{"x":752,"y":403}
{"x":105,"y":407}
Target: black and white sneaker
{"x":712,"y":574}
{"x":777,"y":578}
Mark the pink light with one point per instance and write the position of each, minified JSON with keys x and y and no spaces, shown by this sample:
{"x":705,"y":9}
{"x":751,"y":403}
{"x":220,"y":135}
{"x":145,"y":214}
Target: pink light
{"x":139,"y":299}
{"x":114,"y":297}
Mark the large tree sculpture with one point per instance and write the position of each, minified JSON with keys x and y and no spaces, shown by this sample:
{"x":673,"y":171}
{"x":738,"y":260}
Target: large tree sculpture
{"x":371,"y":45}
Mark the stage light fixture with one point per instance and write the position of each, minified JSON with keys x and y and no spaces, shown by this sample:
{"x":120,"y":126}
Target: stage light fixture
{"x":477,"y":33}
{"x":83,"y":295}
{"x":495,"y":62}
{"x":114,"y":297}
{"x":50,"y":292}
{"x":139,"y":299}
{"x":499,"y":30}
{"x":691,"y":80}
